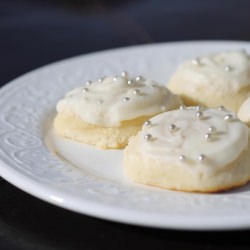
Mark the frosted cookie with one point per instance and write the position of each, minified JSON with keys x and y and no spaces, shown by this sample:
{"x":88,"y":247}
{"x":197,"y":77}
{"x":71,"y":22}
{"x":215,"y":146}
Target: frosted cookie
{"x":244,"y":111}
{"x":105,"y":113}
{"x":213,"y":80}
{"x":190,"y":150}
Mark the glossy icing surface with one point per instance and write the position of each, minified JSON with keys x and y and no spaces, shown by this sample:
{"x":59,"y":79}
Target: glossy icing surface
{"x":210,"y":140}
{"x":111,"y":100}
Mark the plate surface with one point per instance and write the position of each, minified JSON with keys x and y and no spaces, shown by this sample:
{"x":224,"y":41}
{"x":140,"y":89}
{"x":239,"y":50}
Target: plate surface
{"x":97,"y":187}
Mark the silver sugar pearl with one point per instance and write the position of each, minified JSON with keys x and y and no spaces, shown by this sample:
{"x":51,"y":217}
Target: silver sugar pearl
{"x":148,"y":137}
{"x":199,"y":108}
{"x":88,"y":83}
{"x":139,"y":78}
{"x":227,"y":68}
{"x":172,"y":127}
{"x":84,"y":90}
{"x":199,"y":114}
{"x":115,"y":78}
{"x":201,"y":157}
{"x":148,"y":123}
{"x":124,"y":74}
{"x":196,"y":62}
{"x":182,"y":107}
{"x":221,"y":108}
{"x":182,"y":157}
{"x":100,"y":79}
{"x":126,"y":99}
{"x":228,"y":117}
{"x":136,"y":91}
{"x":130,"y":82}
{"x":208,"y":136}
{"x":212,"y":129}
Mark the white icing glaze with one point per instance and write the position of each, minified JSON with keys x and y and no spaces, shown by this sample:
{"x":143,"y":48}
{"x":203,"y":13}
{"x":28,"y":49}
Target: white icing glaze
{"x":229,"y":139}
{"x":244,"y":111}
{"x":210,"y":72}
{"x":111,"y":101}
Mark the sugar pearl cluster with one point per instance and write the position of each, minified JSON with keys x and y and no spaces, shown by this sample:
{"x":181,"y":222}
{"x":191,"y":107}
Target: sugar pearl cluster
{"x":110,"y":100}
{"x":124,"y":76}
{"x":199,"y":112}
{"x":199,"y":63}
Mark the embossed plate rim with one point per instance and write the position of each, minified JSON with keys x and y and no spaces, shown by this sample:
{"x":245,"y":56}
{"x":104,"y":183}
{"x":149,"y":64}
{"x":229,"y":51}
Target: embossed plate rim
{"x":60,"y":194}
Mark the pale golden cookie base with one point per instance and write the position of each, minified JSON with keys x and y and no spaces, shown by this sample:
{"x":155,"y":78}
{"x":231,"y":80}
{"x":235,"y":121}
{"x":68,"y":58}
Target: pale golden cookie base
{"x":72,"y":127}
{"x":202,"y":96}
{"x":145,"y":170}
{"x":244,"y":121}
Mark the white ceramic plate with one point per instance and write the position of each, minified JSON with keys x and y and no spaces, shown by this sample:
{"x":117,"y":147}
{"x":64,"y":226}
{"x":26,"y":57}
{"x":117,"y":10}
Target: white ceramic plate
{"x":97,"y":187}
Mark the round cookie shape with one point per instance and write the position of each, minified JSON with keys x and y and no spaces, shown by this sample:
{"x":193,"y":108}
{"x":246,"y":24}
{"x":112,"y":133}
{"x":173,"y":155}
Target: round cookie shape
{"x":111,"y":100}
{"x":191,"y":149}
{"x":217,"y":135}
{"x":244,"y":111}
{"x":107,"y":112}
{"x":216,"y":79}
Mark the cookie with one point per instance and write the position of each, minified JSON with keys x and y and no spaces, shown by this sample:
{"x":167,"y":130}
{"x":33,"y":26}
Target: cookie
{"x":217,"y":79}
{"x":244,"y":111}
{"x":107,"y":112}
{"x":192,"y":149}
